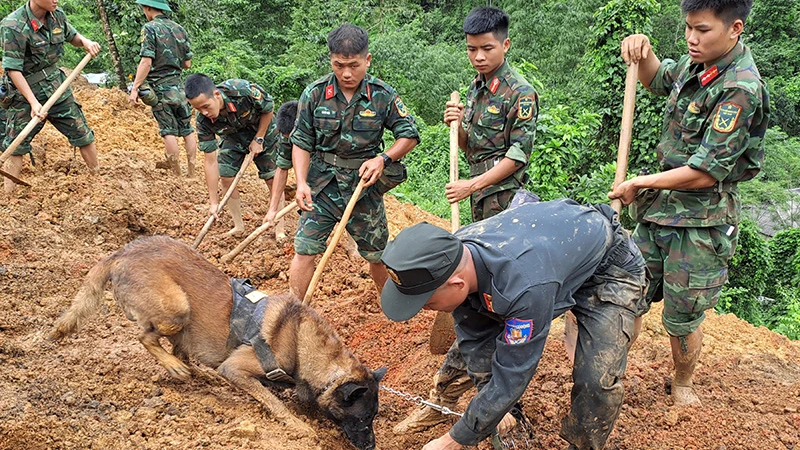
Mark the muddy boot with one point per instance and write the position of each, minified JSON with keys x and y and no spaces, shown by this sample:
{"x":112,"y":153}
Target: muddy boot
{"x":447,"y":389}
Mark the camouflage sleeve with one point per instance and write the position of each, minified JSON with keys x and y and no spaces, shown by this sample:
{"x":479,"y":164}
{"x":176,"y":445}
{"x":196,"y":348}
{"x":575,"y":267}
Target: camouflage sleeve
{"x":13,"y":49}
{"x":187,"y":47}
{"x":70,"y":32}
{"x":206,"y":136}
{"x":148,"y":41}
{"x":399,"y":121}
{"x":725,"y":140}
{"x":522,"y":125}
{"x":662,"y":82}
{"x":262,"y":102}
{"x":304,"y":135}
{"x":284,"y":159}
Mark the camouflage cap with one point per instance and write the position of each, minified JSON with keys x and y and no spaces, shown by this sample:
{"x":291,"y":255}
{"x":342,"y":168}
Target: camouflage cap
{"x":419,"y":260}
{"x":157,"y":4}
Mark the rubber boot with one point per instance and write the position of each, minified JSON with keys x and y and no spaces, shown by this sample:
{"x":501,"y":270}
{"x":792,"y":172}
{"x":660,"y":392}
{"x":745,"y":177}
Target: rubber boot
{"x":448,"y":387}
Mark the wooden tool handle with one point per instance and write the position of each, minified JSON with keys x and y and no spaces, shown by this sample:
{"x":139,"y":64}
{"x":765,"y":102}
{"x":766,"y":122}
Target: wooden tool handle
{"x":626,"y":130}
{"x":46,"y":107}
{"x":334,"y":240}
{"x":455,"y":221}
{"x":247,"y":160}
{"x":256,"y":233}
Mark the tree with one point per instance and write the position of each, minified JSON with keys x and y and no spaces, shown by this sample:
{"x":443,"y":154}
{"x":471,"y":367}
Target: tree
{"x":112,"y":45}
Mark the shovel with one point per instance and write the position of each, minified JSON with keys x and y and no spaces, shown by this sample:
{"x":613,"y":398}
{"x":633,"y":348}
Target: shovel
{"x":256,"y":233}
{"x":443,"y":332}
{"x":36,"y":120}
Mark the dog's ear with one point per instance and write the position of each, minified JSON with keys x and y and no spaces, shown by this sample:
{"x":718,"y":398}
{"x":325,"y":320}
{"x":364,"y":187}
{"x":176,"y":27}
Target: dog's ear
{"x":379,"y":374}
{"x":351,"y":391}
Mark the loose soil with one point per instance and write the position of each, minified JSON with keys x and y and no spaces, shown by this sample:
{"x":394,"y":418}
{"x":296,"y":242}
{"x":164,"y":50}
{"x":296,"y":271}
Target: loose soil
{"x":101,"y":390}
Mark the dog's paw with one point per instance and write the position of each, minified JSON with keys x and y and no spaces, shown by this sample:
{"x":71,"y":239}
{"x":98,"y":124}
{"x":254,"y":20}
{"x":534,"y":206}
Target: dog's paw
{"x":300,"y":427}
{"x":180,"y":371}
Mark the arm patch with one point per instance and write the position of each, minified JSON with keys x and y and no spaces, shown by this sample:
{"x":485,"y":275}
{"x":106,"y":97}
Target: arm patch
{"x":525,"y":108}
{"x":727,"y":115}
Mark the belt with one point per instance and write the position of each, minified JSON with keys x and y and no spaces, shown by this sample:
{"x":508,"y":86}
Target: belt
{"x":39,"y":75}
{"x":720,"y":186}
{"x":479,"y":168}
{"x":337,"y":161}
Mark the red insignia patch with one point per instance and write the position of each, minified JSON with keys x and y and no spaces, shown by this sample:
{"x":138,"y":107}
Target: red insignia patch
{"x":231,"y":107}
{"x":35,"y":25}
{"x":495,"y":84}
{"x":487,"y":299}
{"x":709,"y":75}
{"x":329,"y":92}
{"x":369,"y":93}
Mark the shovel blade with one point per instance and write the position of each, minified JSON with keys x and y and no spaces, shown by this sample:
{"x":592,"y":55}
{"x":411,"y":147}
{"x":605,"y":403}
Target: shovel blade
{"x":443,"y":333}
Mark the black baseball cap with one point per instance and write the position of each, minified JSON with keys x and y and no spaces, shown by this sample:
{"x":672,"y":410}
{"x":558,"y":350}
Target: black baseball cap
{"x":419,"y":260}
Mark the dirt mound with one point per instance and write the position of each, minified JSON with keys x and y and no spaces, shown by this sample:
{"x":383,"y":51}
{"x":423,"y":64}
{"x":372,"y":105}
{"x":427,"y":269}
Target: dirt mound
{"x":101,"y":389}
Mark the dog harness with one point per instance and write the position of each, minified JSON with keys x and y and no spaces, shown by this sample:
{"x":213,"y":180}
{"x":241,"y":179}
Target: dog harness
{"x":247,"y":313}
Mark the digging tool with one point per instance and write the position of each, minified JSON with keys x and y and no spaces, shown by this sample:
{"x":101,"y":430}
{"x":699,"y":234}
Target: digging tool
{"x":334,"y":240}
{"x":443,"y":331}
{"x":247,"y":160}
{"x":36,"y":120}
{"x":626,"y":130}
{"x":256,"y":233}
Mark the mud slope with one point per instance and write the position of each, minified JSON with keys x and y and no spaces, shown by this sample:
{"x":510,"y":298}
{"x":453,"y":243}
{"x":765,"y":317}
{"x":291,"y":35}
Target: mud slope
{"x":101,"y":390}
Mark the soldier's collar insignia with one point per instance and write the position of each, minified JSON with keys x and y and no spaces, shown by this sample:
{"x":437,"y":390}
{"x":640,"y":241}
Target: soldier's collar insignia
{"x":369,"y":92}
{"x":401,"y":108}
{"x":245,"y":114}
{"x":231,"y":107}
{"x":493,"y":110}
{"x":393,"y":276}
{"x":487,"y":300}
{"x":35,"y":24}
{"x":255,"y":92}
{"x":727,"y":115}
{"x":525,"y":108}
{"x":709,"y":75}
{"x":329,"y":92}
{"x":57,"y":30}
{"x":693,"y":108}
{"x":367,"y":113}
{"x":494,"y":85}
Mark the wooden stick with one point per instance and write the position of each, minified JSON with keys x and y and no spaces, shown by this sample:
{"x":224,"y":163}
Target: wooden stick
{"x":334,"y":240}
{"x":46,"y":107}
{"x":626,"y":130}
{"x":247,"y":160}
{"x":455,"y":217}
{"x":257,"y":232}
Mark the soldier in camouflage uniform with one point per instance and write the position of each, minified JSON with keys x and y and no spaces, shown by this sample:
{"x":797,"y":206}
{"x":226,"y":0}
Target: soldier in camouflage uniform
{"x":33,"y":39}
{"x":164,"y":53}
{"x":240,"y":112}
{"x":715,"y":122}
{"x":496,"y":133}
{"x":336,"y":142}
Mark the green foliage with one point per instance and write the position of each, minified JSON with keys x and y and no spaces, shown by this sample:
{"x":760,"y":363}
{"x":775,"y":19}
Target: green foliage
{"x":787,"y":322}
{"x":751,"y":265}
{"x":785,"y":247}
{"x":741,"y":302}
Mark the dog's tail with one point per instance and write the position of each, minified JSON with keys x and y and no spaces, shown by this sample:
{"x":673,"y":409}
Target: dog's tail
{"x":86,"y":302}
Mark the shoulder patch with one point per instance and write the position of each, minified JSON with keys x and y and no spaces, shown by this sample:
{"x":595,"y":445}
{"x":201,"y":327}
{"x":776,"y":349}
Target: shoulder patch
{"x":518,"y":331}
{"x":727,"y":115}
{"x":255,"y":92}
{"x":142,"y":37}
{"x":401,"y":108}
{"x":525,"y":108}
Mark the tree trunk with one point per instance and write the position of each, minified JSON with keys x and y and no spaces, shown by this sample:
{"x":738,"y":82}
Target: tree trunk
{"x":112,"y":47}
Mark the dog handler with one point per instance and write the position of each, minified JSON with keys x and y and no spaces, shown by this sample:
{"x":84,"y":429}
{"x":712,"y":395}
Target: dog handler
{"x":504,"y":279}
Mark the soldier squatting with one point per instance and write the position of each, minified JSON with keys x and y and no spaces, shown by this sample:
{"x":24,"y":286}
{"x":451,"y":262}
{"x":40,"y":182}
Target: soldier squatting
{"x":493,"y":275}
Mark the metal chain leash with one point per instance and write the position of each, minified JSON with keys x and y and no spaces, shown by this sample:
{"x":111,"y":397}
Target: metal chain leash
{"x":421,"y":401}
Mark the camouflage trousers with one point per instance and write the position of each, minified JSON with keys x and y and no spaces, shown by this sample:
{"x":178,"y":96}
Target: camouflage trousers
{"x":367,"y":224}
{"x":2,"y":124}
{"x":689,"y":268}
{"x":66,"y":115}
{"x":235,"y":147}
{"x":173,"y":113}
{"x":491,"y":205}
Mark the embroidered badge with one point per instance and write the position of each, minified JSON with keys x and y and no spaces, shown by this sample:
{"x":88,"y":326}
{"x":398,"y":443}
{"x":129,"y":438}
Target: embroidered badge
{"x":329,"y":92}
{"x":367,"y":113}
{"x":255,"y":296}
{"x":525,"y":108}
{"x":709,"y":75}
{"x":693,"y":108}
{"x":57,"y":30}
{"x":35,"y":25}
{"x":245,"y":114}
{"x":727,"y":114}
{"x":495,"y":84}
{"x":518,"y":331}
{"x":493,"y":110}
{"x":393,"y":276}
{"x":255,"y":92}
{"x":487,"y":300}
{"x":141,"y":38}
{"x":231,"y":107}
{"x":401,"y":108}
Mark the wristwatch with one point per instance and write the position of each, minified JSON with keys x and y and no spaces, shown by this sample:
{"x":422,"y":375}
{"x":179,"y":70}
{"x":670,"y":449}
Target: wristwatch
{"x":386,"y":159}
{"x":259,"y":140}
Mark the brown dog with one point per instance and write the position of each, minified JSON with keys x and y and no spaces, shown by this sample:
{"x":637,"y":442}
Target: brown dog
{"x":171,"y":291}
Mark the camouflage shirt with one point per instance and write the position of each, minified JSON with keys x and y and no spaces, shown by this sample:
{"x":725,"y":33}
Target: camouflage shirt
{"x":500,"y":121}
{"x":715,"y":121}
{"x":284,"y":158}
{"x":244,"y":103}
{"x":167,"y":44}
{"x":326,"y":122}
{"x":31,"y":45}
